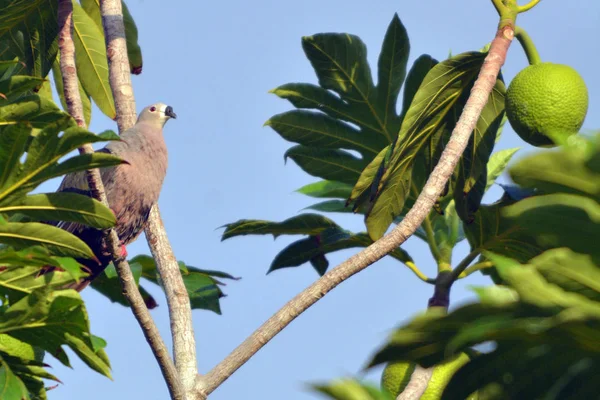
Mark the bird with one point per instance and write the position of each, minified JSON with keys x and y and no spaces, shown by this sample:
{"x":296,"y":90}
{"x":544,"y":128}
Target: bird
{"x":132,"y":188}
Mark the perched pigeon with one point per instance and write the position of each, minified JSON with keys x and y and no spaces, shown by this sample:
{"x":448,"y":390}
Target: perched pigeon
{"x":132,"y":188}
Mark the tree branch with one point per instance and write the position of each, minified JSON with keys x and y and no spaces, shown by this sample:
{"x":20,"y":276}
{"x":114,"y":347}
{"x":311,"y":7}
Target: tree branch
{"x":414,"y":218}
{"x":130,"y":290}
{"x":180,"y":311}
{"x":417,"y":384}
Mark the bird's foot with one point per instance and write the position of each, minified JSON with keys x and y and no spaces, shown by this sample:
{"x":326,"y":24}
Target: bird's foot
{"x":123,"y":253}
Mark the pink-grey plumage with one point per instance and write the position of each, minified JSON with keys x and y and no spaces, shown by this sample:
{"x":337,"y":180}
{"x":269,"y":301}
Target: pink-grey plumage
{"x":132,"y":188}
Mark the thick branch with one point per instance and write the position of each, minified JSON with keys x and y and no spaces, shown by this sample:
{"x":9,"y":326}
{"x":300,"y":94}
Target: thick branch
{"x":180,"y":312}
{"x":130,"y":290}
{"x":178,"y":299}
{"x":417,"y":384}
{"x":433,"y":188}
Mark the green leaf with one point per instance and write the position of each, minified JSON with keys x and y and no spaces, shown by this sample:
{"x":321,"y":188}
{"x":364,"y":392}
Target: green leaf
{"x":370,"y":177}
{"x":471,"y":181}
{"x":319,"y":130}
{"x":419,"y":70}
{"x":43,"y":154}
{"x":547,"y":334}
{"x":303,"y":224}
{"x":108,"y":284}
{"x":566,"y":171}
{"x":18,"y":85}
{"x":443,"y":86}
{"x":350,"y":389}
{"x":391,"y":68}
{"x":58,"y":241}
{"x":28,"y":30}
{"x":559,"y":220}
{"x":497,"y":164}
{"x":71,"y":207}
{"x":447,"y":230}
{"x":36,"y":111}
{"x":24,"y":271}
{"x":573,"y":272}
{"x":90,"y":57}
{"x":492,"y":231}
{"x":325,"y":189}
{"x":202,"y":285}
{"x":330,"y":206}
{"x":85,"y":98}
{"x":134,"y":52}
{"x":314,"y":248}
{"x":340,"y":63}
{"x":51,"y":320}
{"x":329,"y":164}
{"x":11,"y":387}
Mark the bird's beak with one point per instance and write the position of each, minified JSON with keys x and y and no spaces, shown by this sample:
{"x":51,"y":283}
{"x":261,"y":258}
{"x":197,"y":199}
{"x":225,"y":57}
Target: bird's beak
{"x":169,"y":112}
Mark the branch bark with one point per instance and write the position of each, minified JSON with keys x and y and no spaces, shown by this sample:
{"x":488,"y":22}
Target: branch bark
{"x":130,"y":290}
{"x":180,"y":311}
{"x":433,"y":188}
{"x":417,"y":384}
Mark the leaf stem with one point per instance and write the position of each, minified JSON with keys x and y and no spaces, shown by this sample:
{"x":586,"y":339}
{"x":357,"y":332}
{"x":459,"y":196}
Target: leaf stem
{"x":435,"y":250}
{"x":475,"y":267}
{"x":413,"y":267}
{"x":528,"y":6}
{"x":462,"y":266}
{"x":528,"y":46}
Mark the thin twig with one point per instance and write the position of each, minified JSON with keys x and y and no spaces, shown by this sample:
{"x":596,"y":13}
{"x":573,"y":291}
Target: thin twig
{"x":180,"y":312}
{"x":130,"y":290}
{"x":427,"y":198}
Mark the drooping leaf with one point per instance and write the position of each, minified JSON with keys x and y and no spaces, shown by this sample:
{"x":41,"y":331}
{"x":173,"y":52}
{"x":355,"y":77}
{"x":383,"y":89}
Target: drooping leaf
{"x":202,"y":285}
{"x":314,"y":248}
{"x":22,"y":272}
{"x":43,"y":154}
{"x":303,"y":224}
{"x":415,"y":77}
{"x":134,"y":52}
{"x":50,"y":320}
{"x":18,"y":85}
{"x":472,"y":173}
{"x":439,"y":92}
{"x":108,"y":284}
{"x":11,"y":387}
{"x":63,"y":207}
{"x":90,"y":57}
{"x":36,"y":111}
{"x":58,"y":241}
{"x":28,"y":30}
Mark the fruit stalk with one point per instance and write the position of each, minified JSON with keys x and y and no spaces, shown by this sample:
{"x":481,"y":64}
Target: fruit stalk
{"x":533,"y":57}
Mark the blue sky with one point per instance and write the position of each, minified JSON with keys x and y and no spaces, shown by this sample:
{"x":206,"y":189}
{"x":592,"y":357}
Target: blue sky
{"x":214,"y":62}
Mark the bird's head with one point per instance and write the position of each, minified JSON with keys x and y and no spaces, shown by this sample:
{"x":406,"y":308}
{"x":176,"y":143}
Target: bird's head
{"x":158,"y":112}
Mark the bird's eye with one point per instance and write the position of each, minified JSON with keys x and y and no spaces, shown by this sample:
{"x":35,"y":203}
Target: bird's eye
{"x":152,"y":109}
